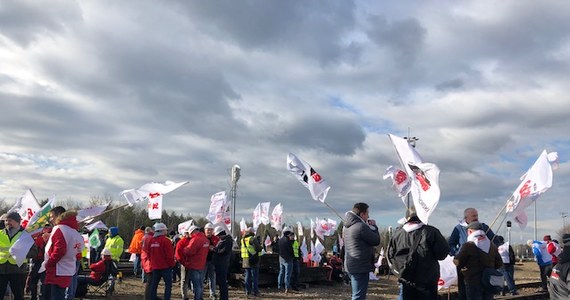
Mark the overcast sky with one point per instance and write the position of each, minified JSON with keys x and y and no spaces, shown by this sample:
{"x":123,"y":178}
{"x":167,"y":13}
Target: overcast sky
{"x":101,"y":96}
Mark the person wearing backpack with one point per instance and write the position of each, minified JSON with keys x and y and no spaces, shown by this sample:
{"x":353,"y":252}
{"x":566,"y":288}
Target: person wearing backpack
{"x":476,"y":255}
{"x":417,"y":248}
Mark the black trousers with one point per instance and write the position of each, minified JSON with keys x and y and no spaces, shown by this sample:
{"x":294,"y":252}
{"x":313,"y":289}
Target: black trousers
{"x":17,"y":284}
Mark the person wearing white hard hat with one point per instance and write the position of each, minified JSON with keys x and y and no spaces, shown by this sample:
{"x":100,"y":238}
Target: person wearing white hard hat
{"x":180,"y":257}
{"x":222,"y":254}
{"x":210,"y":269}
{"x":97,"y":270}
{"x":195,"y":259}
{"x":161,"y":260}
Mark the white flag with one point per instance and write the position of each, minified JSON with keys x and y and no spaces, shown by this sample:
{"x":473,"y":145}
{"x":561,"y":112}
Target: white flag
{"x":424,"y":176}
{"x":536,"y":181}
{"x":299,"y":229}
{"x":150,"y":190}
{"x":86,"y":215}
{"x":340,"y":242}
{"x":155,"y":207}
{"x":26,"y":206}
{"x":277,"y":217}
{"x":312,"y":230}
{"x":242,"y":226}
{"x":447,"y":273}
{"x":218,"y":206}
{"x":380,"y":258}
{"x":97,"y":225}
{"x":267,"y":241}
{"x":264,"y":212}
{"x":256,"y":216}
{"x":315,"y":256}
{"x":400,"y":180}
{"x":184,"y":226}
{"x":304,"y":251}
{"x":227,"y":220}
{"x":308,"y":177}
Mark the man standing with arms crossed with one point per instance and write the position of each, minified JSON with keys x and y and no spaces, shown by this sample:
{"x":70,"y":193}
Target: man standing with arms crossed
{"x":360,"y":238}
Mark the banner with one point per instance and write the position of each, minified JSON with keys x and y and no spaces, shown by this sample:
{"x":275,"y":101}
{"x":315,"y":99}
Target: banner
{"x":277,"y":217}
{"x":218,"y":206}
{"x":256,"y":216}
{"x":154,"y":206}
{"x":325,"y":227}
{"x":151,"y":192}
{"x":97,"y":225}
{"x":22,"y":246}
{"x":184,"y":226}
{"x":242,"y":226}
{"x":424,"y":178}
{"x":536,"y":181}
{"x":299,"y":229}
{"x":264,"y":212}
{"x":308,"y":177}
{"x":304,"y":251}
{"x":26,"y":206}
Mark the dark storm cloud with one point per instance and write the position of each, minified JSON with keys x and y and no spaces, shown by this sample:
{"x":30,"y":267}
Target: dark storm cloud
{"x":313,"y":28}
{"x":25,"y":21}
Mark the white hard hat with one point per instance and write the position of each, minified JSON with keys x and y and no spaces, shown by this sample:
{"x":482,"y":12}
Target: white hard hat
{"x":192,"y":228}
{"x":219,"y":229}
{"x":209,"y":226}
{"x":159,"y":226}
{"x":106,"y":252}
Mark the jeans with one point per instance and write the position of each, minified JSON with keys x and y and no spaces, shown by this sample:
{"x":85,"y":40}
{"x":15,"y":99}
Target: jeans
{"x":17,"y":284}
{"x":296,"y":273}
{"x":197,"y":279}
{"x":508,"y":273}
{"x":222,"y":279}
{"x":165,"y":274}
{"x":285,"y":271}
{"x":70,"y":291}
{"x":137,"y":264}
{"x":359,"y":283}
{"x":147,"y":279}
{"x":476,"y":292}
{"x":251,"y":280}
{"x":211,"y":275}
{"x":53,"y":292}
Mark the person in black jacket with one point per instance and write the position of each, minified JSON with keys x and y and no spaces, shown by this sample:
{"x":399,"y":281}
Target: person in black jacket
{"x":221,"y":259}
{"x":286,"y":256}
{"x":559,"y":283}
{"x":430,"y":247}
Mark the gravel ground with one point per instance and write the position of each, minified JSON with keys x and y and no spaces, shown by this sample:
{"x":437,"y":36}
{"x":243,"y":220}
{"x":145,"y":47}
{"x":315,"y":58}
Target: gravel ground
{"x":385,"y":288}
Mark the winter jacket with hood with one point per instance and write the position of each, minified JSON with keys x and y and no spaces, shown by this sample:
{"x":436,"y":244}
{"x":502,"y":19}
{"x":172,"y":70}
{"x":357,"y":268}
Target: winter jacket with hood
{"x":431,"y":247}
{"x":136,"y":243}
{"x":359,"y":242}
{"x":145,"y":252}
{"x":64,"y":244}
{"x":560,"y":277}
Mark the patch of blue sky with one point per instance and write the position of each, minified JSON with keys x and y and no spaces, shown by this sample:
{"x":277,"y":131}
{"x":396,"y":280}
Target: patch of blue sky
{"x":49,"y":162}
{"x":337,"y":102}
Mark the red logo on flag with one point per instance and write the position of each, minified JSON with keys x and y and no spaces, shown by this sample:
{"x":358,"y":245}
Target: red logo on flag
{"x":400,"y":177}
{"x":153,"y":195}
{"x":525,"y":189}
{"x":440,"y":282}
{"x":155,"y":205}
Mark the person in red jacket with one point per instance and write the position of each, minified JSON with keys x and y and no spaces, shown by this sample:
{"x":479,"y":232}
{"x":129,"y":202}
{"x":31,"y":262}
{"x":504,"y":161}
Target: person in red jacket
{"x":210,"y":272}
{"x":195,"y":258}
{"x":161,"y":256}
{"x":180,"y":257}
{"x":97,"y":269}
{"x":60,"y":259}
{"x":145,"y":262}
{"x":34,"y":276}
{"x":135,"y":249}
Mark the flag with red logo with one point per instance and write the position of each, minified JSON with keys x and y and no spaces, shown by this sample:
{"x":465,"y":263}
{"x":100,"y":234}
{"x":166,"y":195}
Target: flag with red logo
{"x":242,"y":226}
{"x":256,"y":216}
{"x":219,"y":204}
{"x":299,"y":229}
{"x":536,"y":181}
{"x":424,"y":178}
{"x":447,"y":273}
{"x":312,"y":180}
{"x":277,"y":217}
{"x":151,"y":192}
{"x":400,"y":180}
{"x":26,"y":206}
{"x":325,"y":227}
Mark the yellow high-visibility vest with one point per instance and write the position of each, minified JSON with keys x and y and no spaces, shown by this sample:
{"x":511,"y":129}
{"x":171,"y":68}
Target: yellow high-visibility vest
{"x":247,"y":248}
{"x":5,"y":244}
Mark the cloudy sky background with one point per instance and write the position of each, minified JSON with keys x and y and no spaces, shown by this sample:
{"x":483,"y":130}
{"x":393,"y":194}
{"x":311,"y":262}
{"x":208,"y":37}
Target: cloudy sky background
{"x":101,"y":96}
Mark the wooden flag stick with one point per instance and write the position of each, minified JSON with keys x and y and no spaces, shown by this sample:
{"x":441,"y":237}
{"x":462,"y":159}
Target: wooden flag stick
{"x":334,"y":210}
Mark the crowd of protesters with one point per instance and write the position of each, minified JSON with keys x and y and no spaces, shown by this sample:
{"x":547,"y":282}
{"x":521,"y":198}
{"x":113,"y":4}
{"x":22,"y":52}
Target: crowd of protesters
{"x":199,"y":255}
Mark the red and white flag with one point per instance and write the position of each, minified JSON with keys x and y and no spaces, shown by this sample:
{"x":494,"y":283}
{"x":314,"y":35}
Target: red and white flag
{"x":308,"y":177}
{"x":536,"y":181}
{"x":424,"y":177}
{"x":26,"y":206}
{"x":277,"y":217}
{"x":304,"y":251}
{"x":447,"y":273}
{"x":267,"y":241}
{"x":218,"y":206}
{"x":86,"y":215}
{"x":151,"y":192}
{"x":325,"y":227}
{"x":261,"y":214}
{"x":400,"y":180}
{"x":242,"y":226}
{"x":299,"y":229}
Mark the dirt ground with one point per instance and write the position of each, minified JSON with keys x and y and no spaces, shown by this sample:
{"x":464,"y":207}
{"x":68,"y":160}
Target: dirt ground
{"x":385,"y":288}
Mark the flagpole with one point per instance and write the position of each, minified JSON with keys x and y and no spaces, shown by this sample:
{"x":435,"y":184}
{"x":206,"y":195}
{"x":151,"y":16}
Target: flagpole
{"x":334,"y":210}
{"x":498,"y":214}
{"x":412,"y":141}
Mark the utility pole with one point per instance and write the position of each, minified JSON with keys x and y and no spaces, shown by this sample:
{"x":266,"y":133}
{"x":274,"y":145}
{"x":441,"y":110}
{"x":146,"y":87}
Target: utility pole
{"x":563,"y":215}
{"x":509,"y":224}
{"x":412,"y":141}
{"x":236,"y":172}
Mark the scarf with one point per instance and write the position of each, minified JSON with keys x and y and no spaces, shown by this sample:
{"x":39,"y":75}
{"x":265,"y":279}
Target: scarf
{"x":480,"y":239}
